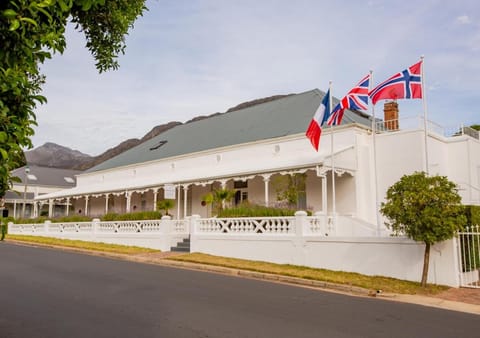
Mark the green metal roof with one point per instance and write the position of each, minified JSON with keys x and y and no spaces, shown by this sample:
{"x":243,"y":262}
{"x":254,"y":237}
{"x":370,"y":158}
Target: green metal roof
{"x":285,"y":116}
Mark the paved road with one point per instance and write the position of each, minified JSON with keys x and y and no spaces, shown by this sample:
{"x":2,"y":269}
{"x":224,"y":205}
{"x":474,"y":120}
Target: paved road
{"x":49,"y":293}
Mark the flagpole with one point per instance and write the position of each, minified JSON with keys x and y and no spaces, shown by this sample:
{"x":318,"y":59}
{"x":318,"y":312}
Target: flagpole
{"x":374,"y":137}
{"x":425,"y":120}
{"x":334,"y":212}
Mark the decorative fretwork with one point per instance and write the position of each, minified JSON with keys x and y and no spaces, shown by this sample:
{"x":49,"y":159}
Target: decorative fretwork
{"x":256,"y":225}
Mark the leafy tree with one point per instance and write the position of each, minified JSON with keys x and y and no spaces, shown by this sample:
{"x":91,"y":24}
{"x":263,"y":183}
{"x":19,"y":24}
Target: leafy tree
{"x":475,"y":126}
{"x":426,"y":209}
{"x":165,"y":205}
{"x":30,"y":32}
{"x":290,"y":188}
{"x":218,"y":198}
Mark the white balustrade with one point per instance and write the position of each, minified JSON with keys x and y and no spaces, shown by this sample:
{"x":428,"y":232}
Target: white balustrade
{"x":247,"y":225}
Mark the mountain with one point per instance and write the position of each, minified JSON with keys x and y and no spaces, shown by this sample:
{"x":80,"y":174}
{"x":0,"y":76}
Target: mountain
{"x":57,"y":156}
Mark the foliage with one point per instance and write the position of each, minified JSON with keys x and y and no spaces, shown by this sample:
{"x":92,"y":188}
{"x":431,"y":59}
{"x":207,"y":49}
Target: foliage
{"x":289,"y":188}
{"x":30,"y":32}
{"x":252,"y":210}
{"x":475,"y":126}
{"x":40,"y":219}
{"x":165,"y":205}
{"x":218,"y":198}
{"x":472,"y":212}
{"x":132,"y":216}
{"x":425,"y":208}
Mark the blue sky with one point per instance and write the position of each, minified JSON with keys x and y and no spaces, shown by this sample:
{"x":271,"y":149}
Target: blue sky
{"x":188,"y":58}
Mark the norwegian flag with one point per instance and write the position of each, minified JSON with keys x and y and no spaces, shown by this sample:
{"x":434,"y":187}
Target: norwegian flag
{"x":356,"y":99}
{"x":404,"y":85}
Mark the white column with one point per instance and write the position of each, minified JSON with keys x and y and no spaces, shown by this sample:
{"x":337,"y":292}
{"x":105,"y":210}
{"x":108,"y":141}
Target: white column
{"x":155,"y":193}
{"x":86,"y":205}
{"x":185,"y":193}
{"x":14,"y":208}
{"x":67,"y":206}
{"x":50,"y":208}
{"x":324,"y":194}
{"x":128,"y":196}
{"x":223,"y":184}
{"x":266,"y":180}
{"x":106,"y":203}
{"x":178,"y":200}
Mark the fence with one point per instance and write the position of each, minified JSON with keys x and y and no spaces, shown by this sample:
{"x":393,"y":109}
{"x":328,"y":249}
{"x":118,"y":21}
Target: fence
{"x":346,"y":245}
{"x":342,"y":243}
{"x":469,"y":256}
{"x":157,"y":234}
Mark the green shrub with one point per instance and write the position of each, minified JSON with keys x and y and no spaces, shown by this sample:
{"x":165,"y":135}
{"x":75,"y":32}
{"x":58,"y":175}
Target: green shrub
{"x":73,"y":218}
{"x":133,"y":216}
{"x":253,"y":210}
{"x":30,"y":220}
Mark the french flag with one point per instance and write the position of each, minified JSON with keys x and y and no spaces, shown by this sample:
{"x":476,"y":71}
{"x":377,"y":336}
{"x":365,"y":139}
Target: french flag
{"x":321,"y":116}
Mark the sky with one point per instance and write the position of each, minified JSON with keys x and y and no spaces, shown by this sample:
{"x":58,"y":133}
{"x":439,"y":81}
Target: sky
{"x":186,"y":58}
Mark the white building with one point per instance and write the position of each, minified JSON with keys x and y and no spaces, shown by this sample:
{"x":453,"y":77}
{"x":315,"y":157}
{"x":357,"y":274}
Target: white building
{"x":248,"y":149}
{"x":36,"y":181}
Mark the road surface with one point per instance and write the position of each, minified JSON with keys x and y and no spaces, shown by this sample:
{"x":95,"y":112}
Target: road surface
{"x":52,"y":293}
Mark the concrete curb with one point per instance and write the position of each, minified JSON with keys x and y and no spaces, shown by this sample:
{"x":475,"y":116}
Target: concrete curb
{"x":322,"y":285}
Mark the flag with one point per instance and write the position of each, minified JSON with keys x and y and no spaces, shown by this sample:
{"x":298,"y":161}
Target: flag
{"x":321,"y":115}
{"x":356,"y":99}
{"x":404,"y":85}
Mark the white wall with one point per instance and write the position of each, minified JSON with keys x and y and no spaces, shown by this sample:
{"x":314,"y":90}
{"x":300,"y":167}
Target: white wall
{"x":387,"y":256}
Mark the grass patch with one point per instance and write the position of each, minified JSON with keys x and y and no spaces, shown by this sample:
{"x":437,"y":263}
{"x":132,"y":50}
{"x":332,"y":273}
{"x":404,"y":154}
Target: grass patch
{"x":385,"y":284}
{"x":93,"y":246}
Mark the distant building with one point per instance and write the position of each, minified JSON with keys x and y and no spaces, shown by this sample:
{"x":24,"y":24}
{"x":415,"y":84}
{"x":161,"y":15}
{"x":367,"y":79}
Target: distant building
{"x":248,"y":150}
{"x":35,"y":182}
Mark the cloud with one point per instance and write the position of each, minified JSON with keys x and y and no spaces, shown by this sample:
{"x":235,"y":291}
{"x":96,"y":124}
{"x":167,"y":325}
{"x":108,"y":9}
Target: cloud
{"x":464,"y":19}
{"x":185,"y":59}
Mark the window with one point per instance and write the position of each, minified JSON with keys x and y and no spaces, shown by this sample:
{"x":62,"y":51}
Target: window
{"x":158,"y":145}
{"x":240,"y":184}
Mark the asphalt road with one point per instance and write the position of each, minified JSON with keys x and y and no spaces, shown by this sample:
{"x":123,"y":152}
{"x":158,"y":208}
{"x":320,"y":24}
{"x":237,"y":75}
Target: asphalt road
{"x":50,"y":293}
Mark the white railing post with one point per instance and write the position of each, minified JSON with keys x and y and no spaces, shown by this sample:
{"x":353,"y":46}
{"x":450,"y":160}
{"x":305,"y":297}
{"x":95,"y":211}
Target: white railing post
{"x":167,"y":224}
{"x":95,"y":228}
{"x":301,"y":225}
{"x":47,"y":226}
{"x":194,"y":224}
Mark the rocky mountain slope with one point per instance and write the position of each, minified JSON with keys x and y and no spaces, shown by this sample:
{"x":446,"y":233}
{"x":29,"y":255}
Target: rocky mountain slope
{"x":57,"y":156}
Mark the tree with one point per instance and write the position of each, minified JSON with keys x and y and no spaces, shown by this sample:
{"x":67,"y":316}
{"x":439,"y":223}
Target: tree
{"x":165,"y":205}
{"x":218,"y":198}
{"x":426,"y":209}
{"x":475,"y":126}
{"x":30,"y":32}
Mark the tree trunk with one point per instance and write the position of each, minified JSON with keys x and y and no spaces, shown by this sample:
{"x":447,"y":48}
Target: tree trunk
{"x":426,"y":260}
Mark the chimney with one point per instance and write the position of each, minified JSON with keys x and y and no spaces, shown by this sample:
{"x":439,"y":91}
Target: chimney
{"x":390,"y":111}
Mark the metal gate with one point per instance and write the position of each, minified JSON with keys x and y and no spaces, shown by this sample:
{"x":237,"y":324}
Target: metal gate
{"x":469,"y":256}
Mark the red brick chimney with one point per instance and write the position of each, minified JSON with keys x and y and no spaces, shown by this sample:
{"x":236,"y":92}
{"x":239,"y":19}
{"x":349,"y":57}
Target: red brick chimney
{"x":390,"y":111}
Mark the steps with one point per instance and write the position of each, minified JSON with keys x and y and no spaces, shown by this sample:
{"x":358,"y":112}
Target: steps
{"x":183,"y":246}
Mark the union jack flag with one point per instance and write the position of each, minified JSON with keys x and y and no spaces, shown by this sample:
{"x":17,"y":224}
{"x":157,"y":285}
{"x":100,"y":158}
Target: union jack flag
{"x":356,"y":99}
{"x":404,"y":85}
